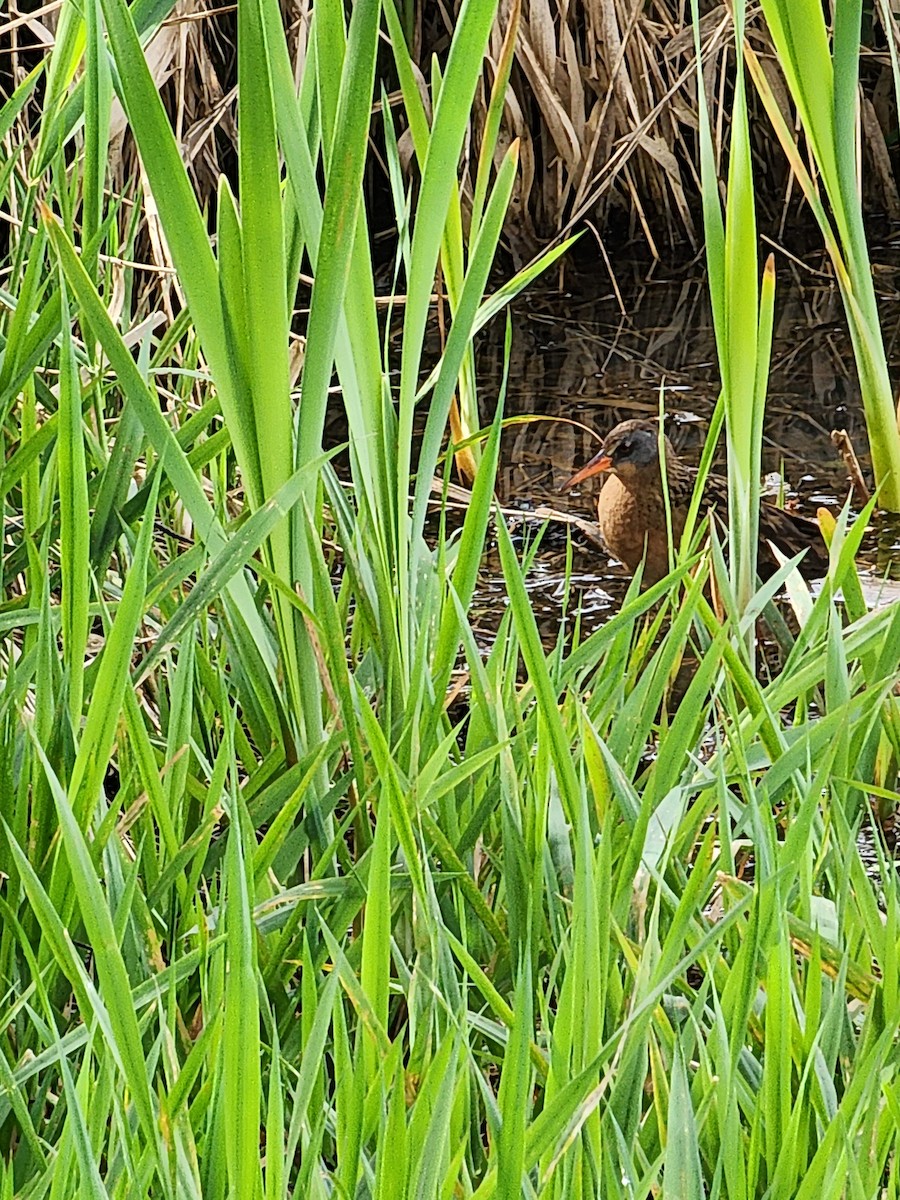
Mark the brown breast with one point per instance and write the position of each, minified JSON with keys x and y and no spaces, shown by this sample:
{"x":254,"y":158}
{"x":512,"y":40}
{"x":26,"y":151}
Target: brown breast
{"x":632,"y":521}
{"x":632,"y":518}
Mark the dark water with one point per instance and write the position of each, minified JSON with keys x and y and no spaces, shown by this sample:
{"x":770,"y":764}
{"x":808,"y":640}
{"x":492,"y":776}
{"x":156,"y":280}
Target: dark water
{"x":586,"y":360}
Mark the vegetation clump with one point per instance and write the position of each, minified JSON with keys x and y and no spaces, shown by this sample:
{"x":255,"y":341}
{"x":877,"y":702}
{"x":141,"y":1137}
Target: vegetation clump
{"x":279,"y":917}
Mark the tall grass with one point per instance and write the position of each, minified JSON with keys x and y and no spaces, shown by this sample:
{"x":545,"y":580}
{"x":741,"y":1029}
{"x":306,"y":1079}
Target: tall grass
{"x":742,"y":318}
{"x":823,"y":81}
{"x":305,"y":893}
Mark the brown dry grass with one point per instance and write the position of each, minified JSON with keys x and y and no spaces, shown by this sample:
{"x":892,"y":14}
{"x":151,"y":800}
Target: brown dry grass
{"x":602,"y":97}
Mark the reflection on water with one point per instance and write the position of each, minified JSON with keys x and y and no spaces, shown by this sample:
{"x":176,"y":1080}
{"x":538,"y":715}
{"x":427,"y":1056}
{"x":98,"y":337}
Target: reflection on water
{"x":583,"y":360}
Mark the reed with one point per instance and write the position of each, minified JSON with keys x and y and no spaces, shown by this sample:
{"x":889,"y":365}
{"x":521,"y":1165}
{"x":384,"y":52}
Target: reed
{"x":823,"y":81}
{"x":742,"y":317}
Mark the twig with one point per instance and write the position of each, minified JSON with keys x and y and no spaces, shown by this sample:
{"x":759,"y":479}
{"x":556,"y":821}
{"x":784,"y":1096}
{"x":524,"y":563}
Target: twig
{"x":841,"y":439}
{"x":461,"y":498}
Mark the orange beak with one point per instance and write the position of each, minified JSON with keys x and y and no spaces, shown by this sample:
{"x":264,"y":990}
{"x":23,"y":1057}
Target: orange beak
{"x":600,"y":462}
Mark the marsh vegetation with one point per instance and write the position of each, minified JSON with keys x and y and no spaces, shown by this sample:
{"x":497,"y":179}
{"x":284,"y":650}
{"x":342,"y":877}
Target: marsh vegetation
{"x":308,"y":889}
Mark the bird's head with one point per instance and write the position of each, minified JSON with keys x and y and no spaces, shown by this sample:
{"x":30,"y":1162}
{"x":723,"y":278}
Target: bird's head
{"x":631,"y":450}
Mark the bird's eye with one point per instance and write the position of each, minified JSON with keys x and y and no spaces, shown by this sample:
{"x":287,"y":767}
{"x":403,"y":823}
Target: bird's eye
{"x":625,"y":448}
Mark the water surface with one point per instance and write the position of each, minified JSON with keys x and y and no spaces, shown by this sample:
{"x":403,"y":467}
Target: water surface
{"x":583,"y":358}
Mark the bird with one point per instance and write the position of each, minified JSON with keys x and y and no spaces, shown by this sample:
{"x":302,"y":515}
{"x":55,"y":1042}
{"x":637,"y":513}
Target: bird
{"x":631,"y":509}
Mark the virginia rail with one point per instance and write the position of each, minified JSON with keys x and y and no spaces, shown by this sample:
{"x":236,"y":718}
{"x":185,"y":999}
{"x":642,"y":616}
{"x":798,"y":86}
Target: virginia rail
{"x":631,"y":509}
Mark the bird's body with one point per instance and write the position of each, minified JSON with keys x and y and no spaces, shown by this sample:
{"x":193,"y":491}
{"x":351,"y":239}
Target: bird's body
{"x":631,"y":510}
